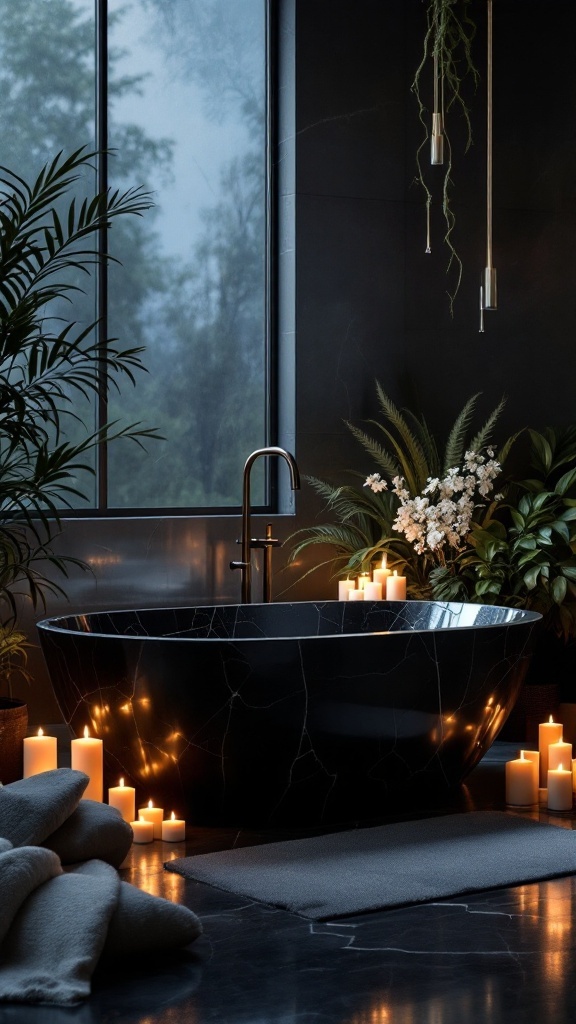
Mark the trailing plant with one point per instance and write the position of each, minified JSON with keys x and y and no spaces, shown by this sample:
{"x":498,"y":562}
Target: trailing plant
{"x":450,"y":31}
{"x":48,"y":242}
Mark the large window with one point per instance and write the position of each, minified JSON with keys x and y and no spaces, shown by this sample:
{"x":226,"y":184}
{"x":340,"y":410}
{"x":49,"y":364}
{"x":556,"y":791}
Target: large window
{"x":177,"y":91}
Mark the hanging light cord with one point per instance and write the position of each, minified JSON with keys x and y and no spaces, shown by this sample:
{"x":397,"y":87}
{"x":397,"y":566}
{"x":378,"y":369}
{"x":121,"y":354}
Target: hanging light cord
{"x":489,"y":143}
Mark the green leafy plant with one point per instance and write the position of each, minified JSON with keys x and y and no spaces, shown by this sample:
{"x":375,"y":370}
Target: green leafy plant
{"x":48,"y":243}
{"x":524,"y":552}
{"x":400,"y":445}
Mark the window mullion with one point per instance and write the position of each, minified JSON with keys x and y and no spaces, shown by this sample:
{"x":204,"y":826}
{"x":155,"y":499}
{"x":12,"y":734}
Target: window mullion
{"x":102,"y":270}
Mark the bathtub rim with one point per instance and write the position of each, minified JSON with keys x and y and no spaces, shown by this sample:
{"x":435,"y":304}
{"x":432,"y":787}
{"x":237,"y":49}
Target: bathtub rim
{"x":50,"y":625}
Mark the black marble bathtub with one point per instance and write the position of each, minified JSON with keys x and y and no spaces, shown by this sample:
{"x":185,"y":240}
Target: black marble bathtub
{"x":290,"y":713}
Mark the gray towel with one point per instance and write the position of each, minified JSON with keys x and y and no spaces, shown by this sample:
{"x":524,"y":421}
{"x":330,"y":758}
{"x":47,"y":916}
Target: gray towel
{"x":93,"y":831}
{"x":31,"y":809}
{"x":21,"y":872}
{"x":143,"y":924}
{"x":55,"y":942}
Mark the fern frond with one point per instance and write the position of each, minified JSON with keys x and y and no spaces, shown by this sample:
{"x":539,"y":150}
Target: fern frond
{"x":482,"y":438}
{"x":456,"y":443}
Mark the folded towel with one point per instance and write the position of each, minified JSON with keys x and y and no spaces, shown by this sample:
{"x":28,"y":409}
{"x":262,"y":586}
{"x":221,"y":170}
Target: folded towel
{"x":22,"y":870}
{"x":31,"y":809}
{"x":143,"y":923}
{"x":93,"y":831}
{"x":56,"y":939}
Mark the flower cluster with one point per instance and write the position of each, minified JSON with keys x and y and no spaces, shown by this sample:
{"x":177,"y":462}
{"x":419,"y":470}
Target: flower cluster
{"x":430,"y":526}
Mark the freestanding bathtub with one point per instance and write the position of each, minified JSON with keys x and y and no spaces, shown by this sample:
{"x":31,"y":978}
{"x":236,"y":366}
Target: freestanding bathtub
{"x":303,"y":713}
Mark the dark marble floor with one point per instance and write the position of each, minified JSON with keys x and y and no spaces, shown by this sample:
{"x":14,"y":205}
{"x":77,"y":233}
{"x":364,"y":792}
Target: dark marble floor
{"x":505,"y":955}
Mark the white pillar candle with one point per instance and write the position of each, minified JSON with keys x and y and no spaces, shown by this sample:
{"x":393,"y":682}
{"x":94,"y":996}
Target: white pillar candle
{"x":344,"y":588}
{"x":560,"y":796}
{"x":373,"y":592}
{"x":363,"y":579}
{"x":381,"y":574}
{"x":534,"y":757}
{"x":396,"y":587}
{"x":521,"y":782}
{"x":173,"y":829}
{"x":40,"y":754}
{"x":87,"y":756}
{"x":574,"y":775}
{"x":559,"y":753}
{"x":153,"y":814}
{"x":356,"y":595}
{"x":548,"y":732}
{"x":123,"y":798}
{"x":143,"y":831}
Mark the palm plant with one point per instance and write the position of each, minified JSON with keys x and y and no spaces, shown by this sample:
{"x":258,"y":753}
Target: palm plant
{"x":403,"y":446}
{"x":48,"y":241}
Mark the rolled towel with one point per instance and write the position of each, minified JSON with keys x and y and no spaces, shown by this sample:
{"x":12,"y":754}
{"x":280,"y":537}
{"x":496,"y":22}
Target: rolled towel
{"x":56,"y":938}
{"x":143,"y":923}
{"x":31,"y":809}
{"x":22,"y":870}
{"x":93,"y":830}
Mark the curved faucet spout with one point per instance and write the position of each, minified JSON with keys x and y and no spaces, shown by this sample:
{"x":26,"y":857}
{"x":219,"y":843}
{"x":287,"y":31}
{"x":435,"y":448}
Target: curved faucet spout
{"x":245,"y":565}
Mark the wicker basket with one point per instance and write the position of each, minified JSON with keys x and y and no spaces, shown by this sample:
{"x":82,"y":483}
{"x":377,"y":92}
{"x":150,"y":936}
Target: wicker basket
{"x":13,"y":727}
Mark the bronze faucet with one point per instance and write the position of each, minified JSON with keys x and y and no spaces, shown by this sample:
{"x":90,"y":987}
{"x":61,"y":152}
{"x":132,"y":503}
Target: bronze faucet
{"x":268,"y":542}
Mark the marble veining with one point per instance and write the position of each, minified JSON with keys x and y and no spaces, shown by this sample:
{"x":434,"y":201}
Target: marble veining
{"x":305,"y":713}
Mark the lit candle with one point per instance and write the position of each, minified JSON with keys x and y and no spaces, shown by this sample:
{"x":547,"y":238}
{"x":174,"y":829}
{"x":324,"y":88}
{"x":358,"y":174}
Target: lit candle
{"x":123,"y":798}
{"x":396,"y":587}
{"x":173,"y":829}
{"x":363,"y":579}
{"x":381,"y":574}
{"x":373,"y":592}
{"x":560,"y":789}
{"x":356,"y":595}
{"x":87,"y":756}
{"x":559,"y":753}
{"x":548,"y":732}
{"x":521,"y":782}
{"x":344,"y":588}
{"x":153,"y":814}
{"x":143,"y":831}
{"x":40,"y":754}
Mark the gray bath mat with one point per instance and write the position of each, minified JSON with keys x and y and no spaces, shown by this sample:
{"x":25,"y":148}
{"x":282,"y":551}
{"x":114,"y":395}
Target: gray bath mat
{"x":390,"y":865}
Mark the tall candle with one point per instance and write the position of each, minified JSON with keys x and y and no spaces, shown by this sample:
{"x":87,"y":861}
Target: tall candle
{"x":381,"y":574}
{"x":87,"y":756}
{"x":373,"y":592}
{"x":521,"y":782}
{"x":173,"y":829}
{"x":548,"y":732}
{"x":123,"y":798}
{"x":344,"y":588}
{"x":396,"y":587}
{"x":153,"y":814}
{"x":560,"y":796}
{"x":40,"y":754}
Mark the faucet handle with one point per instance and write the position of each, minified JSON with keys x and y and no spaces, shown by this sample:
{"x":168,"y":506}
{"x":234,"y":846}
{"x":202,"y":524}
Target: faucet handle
{"x":239,"y":565}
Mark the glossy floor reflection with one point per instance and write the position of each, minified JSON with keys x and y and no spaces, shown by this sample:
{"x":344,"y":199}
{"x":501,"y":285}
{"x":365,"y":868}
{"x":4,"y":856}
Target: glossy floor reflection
{"x":501,"y":956}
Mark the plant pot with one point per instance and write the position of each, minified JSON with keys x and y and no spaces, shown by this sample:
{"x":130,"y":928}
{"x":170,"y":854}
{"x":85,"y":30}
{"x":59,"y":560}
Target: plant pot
{"x":13,"y":728}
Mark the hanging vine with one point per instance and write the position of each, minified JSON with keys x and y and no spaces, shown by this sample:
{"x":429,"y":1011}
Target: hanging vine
{"x":448,"y":49}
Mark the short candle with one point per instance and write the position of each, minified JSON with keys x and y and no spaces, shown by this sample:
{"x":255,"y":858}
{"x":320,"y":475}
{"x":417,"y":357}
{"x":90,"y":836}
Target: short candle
{"x":87,"y":756}
{"x":356,"y":595}
{"x":123,"y":798}
{"x":373,"y":592}
{"x":559,"y":753}
{"x":153,"y":814}
{"x":173,"y":829}
{"x":40,"y":754}
{"x":344,"y":588}
{"x":143,"y":831}
{"x":363,"y":579}
{"x":560,"y":797}
{"x":521,"y":782}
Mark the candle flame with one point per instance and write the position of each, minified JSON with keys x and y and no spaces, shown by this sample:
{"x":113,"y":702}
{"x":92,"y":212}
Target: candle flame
{"x":86,"y":733}
{"x":384,"y":561}
{"x":522,"y":758}
{"x":173,"y":816}
{"x":550,"y":720}
{"x":40,"y":732}
{"x":121,"y":783}
{"x":150,"y":804}
{"x":560,"y":767}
